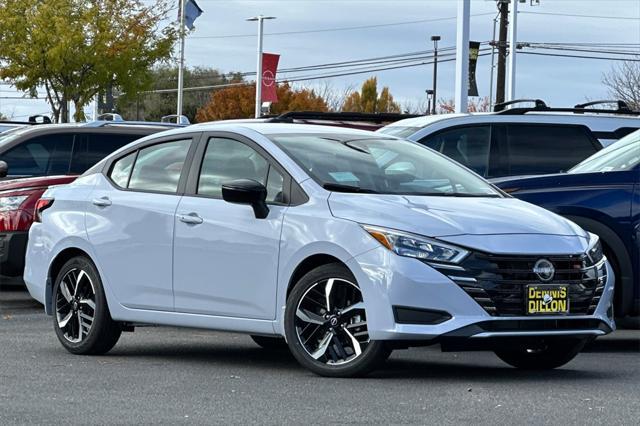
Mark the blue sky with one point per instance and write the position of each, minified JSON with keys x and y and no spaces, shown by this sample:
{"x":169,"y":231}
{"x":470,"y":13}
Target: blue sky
{"x":560,"y":81}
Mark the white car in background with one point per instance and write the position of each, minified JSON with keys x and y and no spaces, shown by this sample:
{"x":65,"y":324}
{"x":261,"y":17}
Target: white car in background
{"x":520,"y":141}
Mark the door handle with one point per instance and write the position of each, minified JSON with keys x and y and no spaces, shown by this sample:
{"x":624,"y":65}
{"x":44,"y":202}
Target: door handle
{"x":102,"y":202}
{"x":190,"y":219}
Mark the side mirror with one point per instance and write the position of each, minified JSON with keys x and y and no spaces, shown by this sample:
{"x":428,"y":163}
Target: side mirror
{"x":4,"y":169}
{"x":247,"y":191}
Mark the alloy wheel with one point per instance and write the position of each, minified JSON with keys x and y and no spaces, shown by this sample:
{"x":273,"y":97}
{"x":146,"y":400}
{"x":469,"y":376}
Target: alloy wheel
{"x":331,"y":323}
{"x":75,"y":305}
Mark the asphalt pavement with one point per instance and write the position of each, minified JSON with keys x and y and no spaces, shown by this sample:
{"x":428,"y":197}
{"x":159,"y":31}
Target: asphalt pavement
{"x":164,"y":375}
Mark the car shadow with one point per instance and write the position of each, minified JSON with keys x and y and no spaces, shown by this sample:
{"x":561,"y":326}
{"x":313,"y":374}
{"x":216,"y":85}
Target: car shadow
{"x":397,"y":367}
{"x":613,"y":345}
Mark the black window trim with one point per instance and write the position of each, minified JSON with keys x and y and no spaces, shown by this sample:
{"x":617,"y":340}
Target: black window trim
{"x":292,"y":195}
{"x":194,"y":137}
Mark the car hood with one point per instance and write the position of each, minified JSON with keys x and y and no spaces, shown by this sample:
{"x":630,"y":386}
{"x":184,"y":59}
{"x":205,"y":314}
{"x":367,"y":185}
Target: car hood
{"x":450,"y":216}
{"x":34,"y":182}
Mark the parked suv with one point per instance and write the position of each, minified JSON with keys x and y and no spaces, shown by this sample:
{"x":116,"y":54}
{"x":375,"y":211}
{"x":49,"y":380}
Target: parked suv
{"x":520,"y":141}
{"x":346,"y":242}
{"x":48,"y":155}
{"x":602,"y":195}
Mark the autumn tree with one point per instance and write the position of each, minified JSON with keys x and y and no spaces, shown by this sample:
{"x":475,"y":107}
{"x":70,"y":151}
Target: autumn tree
{"x":239,"y":102}
{"x":623,"y":81}
{"x":474,"y":105}
{"x":77,"y":48}
{"x":368,"y":100}
{"x":152,"y":106}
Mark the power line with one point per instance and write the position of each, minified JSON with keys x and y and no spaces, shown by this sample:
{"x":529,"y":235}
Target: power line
{"x":580,"y":16}
{"x":610,"y":58}
{"x":325,"y":30}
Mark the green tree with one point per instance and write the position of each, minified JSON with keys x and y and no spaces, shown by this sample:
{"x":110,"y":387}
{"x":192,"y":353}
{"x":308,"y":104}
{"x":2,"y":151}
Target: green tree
{"x":367,"y":100}
{"x":152,"y":106}
{"x":77,"y":48}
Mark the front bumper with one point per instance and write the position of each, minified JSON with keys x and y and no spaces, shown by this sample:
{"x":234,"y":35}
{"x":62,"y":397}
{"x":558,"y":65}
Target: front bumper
{"x":389,"y":282}
{"x":13,"y":246}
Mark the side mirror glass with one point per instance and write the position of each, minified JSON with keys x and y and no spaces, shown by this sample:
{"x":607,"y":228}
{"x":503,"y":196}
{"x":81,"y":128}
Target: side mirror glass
{"x":4,"y":169}
{"x":247,"y":191}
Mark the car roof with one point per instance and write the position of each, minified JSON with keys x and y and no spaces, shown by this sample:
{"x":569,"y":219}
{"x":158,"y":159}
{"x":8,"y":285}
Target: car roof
{"x":595,"y":121}
{"x":282,"y":128}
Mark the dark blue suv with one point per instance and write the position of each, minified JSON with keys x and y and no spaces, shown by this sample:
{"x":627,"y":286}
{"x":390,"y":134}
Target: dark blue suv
{"x":602,"y":195}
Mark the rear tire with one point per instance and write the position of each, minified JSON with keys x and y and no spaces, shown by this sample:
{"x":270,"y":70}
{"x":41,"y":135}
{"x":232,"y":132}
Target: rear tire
{"x":325,"y":325}
{"x":545,"y":354}
{"x":81,"y":316}
{"x":270,"y":343}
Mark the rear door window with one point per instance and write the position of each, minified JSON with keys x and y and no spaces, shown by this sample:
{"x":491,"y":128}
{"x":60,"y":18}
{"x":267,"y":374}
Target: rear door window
{"x":541,"y":149}
{"x":158,"y":167}
{"x":40,"y":156}
{"x":469,"y":146}
{"x":90,"y":148}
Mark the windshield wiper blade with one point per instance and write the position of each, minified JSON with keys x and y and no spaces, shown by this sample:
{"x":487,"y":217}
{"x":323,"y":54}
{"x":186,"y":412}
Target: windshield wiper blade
{"x":336,"y":187}
{"x":455,"y":194}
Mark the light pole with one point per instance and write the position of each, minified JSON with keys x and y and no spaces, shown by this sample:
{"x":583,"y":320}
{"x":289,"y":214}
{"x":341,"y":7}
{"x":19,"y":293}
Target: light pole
{"x":462,"y":56}
{"x":435,"y":39}
{"x":260,"y":19}
{"x":429,"y":96}
{"x":513,"y":31}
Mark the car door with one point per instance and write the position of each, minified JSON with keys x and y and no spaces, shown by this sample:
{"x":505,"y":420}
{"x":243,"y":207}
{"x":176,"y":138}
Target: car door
{"x":130,"y":222}
{"x":226,"y":259}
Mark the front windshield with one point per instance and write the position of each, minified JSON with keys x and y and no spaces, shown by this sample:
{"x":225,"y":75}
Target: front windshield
{"x":349,"y":163}
{"x":622,"y":155}
{"x":399,"y":131}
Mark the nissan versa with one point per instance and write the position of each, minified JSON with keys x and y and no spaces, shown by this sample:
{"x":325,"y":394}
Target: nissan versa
{"x":346,"y":243}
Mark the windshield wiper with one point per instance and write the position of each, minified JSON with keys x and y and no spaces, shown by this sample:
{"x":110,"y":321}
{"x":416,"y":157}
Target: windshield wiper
{"x":453,"y":194}
{"x":336,"y":187}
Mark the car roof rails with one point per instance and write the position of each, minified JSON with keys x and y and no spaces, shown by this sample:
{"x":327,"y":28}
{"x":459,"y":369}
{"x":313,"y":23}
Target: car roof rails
{"x":378,"y":118}
{"x":540,"y":106}
{"x":39,"y":119}
{"x":110,"y":116}
{"x":123,"y":123}
{"x":176,"y":119}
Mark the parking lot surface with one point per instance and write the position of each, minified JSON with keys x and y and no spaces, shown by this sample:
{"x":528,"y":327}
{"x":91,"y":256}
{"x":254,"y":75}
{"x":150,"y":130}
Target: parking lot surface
{"x":171,"y":376}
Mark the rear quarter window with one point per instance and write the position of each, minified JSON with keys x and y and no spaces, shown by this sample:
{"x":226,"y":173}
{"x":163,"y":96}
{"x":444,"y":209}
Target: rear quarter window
{"x":540,"y":149}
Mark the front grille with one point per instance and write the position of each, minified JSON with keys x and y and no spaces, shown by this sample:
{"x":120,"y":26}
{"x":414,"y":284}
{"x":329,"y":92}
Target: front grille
{"x":498,"y":283}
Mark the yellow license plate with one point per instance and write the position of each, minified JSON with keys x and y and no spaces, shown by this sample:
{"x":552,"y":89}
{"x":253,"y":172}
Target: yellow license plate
{"x":547,"y":299}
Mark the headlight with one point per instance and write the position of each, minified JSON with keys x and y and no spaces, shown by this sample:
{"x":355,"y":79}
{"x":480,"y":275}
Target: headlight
{"x":11,"y":203}
{"x":416,"y":246}
{"x":594,"y":252}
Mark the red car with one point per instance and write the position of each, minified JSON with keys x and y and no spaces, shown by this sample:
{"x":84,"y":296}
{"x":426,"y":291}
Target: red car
{"x":36,"y":157}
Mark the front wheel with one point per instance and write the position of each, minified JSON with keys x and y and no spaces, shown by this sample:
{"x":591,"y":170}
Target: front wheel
{"x":544,"y":354}
{"x":81,"y":319}
{"x":326,"y":325}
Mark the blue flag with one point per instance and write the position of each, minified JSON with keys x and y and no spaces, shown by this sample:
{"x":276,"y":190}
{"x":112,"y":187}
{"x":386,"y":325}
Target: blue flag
{"x":191,"y":12}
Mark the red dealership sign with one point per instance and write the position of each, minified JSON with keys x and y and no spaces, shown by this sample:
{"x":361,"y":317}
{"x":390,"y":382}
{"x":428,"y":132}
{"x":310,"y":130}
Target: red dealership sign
{"x":269,"y":70}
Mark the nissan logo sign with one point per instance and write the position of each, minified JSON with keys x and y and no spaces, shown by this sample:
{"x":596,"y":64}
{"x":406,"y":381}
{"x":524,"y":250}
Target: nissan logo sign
{"x":544,"y":269}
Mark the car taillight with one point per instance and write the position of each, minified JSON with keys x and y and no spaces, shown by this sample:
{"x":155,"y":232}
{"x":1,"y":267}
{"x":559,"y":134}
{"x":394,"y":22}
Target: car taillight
{"x":41,"y":205}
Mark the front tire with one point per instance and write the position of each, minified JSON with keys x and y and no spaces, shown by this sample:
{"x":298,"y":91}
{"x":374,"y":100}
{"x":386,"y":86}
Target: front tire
{"x":545,"y":354}
{"x":326,"y":325}
{"x":81,"y":316}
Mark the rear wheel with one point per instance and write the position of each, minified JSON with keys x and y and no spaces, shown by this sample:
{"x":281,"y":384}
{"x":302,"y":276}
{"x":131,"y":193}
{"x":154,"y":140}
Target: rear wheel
{"x":544,"y":354}
{"x":270,"y":343}
{"x":81,"y":319}
{"x":326,"y":325}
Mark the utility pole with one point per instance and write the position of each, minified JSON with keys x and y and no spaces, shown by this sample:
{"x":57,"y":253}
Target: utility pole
{"x":462,"y":56}
{"x":260,"y":19}
{"x":435,"y":39}
{"x":181,"y":64}
{"x":503,"y":7}
{"x":513,"y":42}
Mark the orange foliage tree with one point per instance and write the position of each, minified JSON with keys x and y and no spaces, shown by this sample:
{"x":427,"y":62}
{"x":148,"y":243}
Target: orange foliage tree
{"x":239,"y":102}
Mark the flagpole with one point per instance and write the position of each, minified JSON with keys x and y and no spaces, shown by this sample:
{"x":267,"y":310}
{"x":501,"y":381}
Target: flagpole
{"x":181,"y":63}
